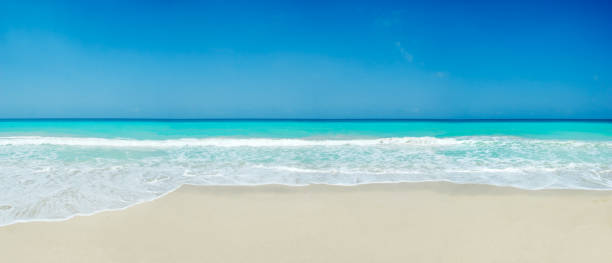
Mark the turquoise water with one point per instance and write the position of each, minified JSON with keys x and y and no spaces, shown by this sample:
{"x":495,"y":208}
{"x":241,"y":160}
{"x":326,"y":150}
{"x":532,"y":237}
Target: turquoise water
{"x":143,"y":129}
{"x":60,"y":168}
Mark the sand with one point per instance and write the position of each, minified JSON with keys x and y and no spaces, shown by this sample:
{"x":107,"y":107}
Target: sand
{"x":420,"y":222}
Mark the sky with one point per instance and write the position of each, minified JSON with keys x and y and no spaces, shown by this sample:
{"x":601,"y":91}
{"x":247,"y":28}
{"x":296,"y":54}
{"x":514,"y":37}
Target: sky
{"x":305,"y":59}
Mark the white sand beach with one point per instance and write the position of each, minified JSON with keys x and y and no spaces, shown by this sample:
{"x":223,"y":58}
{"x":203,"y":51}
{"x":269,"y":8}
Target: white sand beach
{"x":418,"y":222}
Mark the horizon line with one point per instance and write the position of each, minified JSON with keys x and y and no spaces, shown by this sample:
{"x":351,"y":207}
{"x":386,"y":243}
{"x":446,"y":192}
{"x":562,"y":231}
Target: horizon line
{"x":309,"y":119}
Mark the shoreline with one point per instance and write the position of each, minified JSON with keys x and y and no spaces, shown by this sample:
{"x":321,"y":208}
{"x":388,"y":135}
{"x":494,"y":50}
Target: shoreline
{"x":432,"y":221}
{"x":306,"y":185}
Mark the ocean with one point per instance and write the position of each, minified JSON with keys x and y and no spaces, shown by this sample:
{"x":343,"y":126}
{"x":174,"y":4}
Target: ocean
{"x":55,"y":169}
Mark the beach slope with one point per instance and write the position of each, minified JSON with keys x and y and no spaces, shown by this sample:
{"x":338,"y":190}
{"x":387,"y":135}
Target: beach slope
{"x":419,"y":222}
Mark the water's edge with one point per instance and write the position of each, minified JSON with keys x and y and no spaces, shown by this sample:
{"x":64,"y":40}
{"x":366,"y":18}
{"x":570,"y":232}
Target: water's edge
{"x":496,"y":188}
{"x":59,"y":168}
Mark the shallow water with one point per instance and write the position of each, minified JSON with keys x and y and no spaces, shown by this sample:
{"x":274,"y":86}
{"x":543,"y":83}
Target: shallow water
{"x":56,"y":169}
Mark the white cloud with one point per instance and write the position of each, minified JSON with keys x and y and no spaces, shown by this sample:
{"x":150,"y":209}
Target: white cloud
{"x":407,"y":56}
{"x":410,"y":58}
{"x":441,"y":74}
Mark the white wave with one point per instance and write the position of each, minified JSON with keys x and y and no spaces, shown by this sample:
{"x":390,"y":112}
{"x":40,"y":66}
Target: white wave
{"x":57,"y":177}
{"x":280,"y":142}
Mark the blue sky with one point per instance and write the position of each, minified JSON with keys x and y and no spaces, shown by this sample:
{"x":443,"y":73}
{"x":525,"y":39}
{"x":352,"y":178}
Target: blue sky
{"x":306,"y":59}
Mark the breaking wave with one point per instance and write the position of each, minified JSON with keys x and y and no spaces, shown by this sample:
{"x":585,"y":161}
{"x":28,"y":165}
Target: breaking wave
{"x":57,"y":177}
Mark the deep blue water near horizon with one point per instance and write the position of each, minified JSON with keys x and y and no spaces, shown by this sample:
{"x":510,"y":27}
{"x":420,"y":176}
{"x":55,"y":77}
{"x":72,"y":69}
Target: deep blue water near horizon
{"x":53,"y":169}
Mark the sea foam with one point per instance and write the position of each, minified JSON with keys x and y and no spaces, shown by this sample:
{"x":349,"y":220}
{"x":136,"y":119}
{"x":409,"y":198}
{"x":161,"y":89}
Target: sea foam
{"x":57,"y":177}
